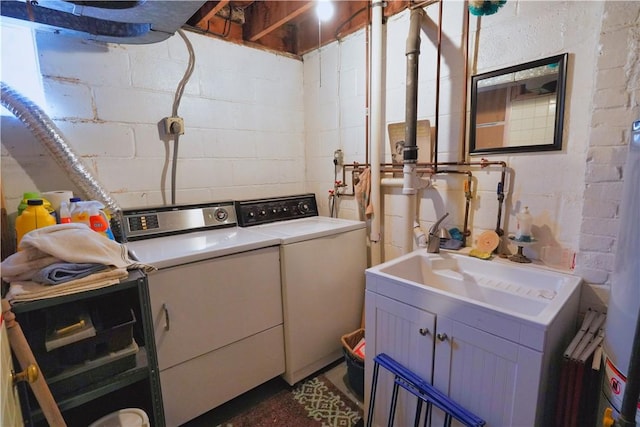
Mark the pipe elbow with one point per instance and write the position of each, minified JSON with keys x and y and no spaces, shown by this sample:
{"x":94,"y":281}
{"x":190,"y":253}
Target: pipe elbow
{"x":419,"y":235}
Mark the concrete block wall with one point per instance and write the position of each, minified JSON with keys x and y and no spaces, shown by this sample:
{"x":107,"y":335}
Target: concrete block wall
{"x":550,"y":183}
{"x":573,"y":194}
{"x":263,"y":124}
{"x":616,"y":103}
{"x":242,"y":107}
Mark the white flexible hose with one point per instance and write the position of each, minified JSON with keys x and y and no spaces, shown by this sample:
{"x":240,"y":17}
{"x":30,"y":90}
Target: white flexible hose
{"x":176,"y":104}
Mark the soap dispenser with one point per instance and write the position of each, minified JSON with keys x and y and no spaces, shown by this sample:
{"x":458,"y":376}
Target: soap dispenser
{"x":523,"y":225}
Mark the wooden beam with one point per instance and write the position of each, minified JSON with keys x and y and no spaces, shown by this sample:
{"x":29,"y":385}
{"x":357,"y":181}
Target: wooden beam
{"x":208,"y":11}
{"x":348,"y":17}
{"x":264,"y":17}
{"x":395,"y":6}
{"x":223,"y":28}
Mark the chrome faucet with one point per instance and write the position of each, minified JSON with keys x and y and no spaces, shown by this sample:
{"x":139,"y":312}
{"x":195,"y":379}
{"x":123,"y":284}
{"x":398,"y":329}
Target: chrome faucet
{"x":433,"y":244}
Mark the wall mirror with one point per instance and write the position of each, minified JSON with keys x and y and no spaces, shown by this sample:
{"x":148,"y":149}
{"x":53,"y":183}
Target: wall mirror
{"x":518,"y":109}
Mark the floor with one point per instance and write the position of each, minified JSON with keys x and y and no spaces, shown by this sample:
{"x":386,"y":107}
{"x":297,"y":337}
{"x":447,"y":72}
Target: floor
{"x":336,"y":373}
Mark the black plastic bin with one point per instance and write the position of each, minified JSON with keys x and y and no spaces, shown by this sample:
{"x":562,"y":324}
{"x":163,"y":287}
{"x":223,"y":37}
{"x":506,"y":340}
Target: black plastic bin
{"x":355,"y":363}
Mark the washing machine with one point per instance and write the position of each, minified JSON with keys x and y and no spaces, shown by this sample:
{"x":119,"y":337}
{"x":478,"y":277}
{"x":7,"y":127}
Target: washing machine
{"x":322,"y":264}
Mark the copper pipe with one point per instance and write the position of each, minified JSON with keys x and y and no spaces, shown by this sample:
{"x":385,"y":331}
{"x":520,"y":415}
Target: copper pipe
{"x":465,"y":54}
{"x":398,"y":168}
{"x":465,"y":227}
{"x":437,"y":111}
{"x":367,"y":66}
{"x":429,"y":168}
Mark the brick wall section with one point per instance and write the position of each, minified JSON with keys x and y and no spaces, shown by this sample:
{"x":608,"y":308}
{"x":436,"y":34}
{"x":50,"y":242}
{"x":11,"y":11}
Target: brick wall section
{"x":616,"y":103}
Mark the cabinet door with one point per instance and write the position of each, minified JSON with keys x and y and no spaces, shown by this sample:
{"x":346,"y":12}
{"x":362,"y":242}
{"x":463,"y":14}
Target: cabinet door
{"x":496,"y":379}
{"x":200,"y":307}
{"x":406,"y":334}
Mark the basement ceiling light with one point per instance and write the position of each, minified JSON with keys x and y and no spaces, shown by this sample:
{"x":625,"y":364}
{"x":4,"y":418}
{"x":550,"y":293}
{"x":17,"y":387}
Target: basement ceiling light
{"x":324,"y":10}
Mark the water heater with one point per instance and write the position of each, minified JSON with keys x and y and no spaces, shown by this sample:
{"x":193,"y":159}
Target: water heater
{"x":624,"y":301}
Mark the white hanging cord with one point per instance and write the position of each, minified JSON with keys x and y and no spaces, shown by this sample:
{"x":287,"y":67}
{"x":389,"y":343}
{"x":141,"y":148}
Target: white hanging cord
{"x":176,"y":103}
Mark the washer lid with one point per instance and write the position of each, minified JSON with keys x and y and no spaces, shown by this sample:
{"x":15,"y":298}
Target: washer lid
{"x":298,"y":230}
{"x":169,"y":251}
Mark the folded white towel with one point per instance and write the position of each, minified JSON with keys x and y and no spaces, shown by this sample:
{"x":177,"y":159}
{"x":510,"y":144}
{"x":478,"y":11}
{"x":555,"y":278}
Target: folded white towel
{"x":12,"y":271}
{"x":22,"y":291}
{"x":72,"y":242}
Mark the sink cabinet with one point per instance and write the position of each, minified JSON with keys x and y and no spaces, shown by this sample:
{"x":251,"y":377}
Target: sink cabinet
{"x":503,"y":369}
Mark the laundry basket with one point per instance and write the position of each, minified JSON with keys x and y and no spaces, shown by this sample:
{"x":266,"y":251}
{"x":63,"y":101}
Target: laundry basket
{"x":355,"y":363}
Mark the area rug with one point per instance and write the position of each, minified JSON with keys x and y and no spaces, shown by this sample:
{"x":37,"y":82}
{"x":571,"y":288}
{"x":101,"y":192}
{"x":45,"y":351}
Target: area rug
{"x":313,"y":403}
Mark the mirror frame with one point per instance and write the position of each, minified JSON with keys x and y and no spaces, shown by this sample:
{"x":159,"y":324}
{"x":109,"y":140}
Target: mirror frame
{"x":561,"y":60}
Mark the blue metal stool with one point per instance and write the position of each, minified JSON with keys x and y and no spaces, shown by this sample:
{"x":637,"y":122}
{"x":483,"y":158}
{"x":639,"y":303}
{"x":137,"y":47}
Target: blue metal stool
{"x":424,"y":391}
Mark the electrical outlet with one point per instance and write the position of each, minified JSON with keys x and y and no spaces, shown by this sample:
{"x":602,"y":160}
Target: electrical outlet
{"x":173,"y":125}
{"x":338,"y":157}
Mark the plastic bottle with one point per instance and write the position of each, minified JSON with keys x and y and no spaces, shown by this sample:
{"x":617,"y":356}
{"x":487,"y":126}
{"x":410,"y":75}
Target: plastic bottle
{"x":77,"y":211}
{"x":98,"y":219}
{"x":26,"y":196}
{"x":35,"y":195}
{"x":65,"y":214}
{"x":91,"y":213}
{"x":32,"y":217}
{"x":523,"y":226}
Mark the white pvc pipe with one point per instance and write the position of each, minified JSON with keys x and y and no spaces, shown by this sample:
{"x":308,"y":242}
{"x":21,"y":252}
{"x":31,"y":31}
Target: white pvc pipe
{"x":377,"y":128}
{"x":408,"y":223}
{"x":391,"y":182}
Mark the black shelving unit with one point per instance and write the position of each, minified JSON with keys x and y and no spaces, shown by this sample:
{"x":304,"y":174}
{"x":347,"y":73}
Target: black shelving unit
{"x":97,"y":395}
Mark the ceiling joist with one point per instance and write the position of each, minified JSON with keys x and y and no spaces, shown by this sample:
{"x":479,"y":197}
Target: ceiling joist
{"x":289,"y":26}
{"x":264,"y":17}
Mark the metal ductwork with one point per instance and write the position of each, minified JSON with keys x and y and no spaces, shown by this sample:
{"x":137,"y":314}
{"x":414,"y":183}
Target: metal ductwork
{"x":43,"y":128}
{"x":126,"y":22}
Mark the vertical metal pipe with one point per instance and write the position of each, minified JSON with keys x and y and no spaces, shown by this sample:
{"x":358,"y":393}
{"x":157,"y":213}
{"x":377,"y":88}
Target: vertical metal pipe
{"x":377,"y":128}
{"x":410,"y":153}
{"x":465,"y":55}
{"x":367,"y":89}
{"x":437,"y":110}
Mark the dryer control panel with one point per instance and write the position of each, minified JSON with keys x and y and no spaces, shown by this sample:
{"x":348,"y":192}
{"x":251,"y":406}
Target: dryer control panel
{"x":145,"y":223}
{"x":264,"y":211}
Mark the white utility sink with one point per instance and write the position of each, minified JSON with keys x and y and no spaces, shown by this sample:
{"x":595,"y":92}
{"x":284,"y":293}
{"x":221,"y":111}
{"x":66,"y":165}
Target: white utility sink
{"x":520,"y":290}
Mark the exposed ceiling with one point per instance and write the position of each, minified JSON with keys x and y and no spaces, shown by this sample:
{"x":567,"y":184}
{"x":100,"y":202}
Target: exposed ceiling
{"x":284,"y":26}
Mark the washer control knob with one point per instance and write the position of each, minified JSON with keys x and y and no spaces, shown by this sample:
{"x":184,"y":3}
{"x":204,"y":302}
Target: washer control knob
{"x":303,"y":207}
{"x":221,"y":214}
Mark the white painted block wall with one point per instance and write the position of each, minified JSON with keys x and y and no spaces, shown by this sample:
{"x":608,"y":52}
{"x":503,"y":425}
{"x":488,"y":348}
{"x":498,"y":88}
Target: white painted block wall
{"x":573,"y":194}
{"x":242,"y":108}
{"x":260,"y":124}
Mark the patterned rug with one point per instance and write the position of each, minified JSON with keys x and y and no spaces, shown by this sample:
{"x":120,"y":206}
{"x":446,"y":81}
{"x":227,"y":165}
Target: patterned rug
{"x":313,"y":403}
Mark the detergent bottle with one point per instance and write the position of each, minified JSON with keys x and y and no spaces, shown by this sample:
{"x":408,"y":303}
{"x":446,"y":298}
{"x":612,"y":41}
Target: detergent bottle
{"x":26,"y":196}
{"x":32,"y":217}
{"x":98,"y":219}
{"x":65,"y":213}
{"x":78,"y":211}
